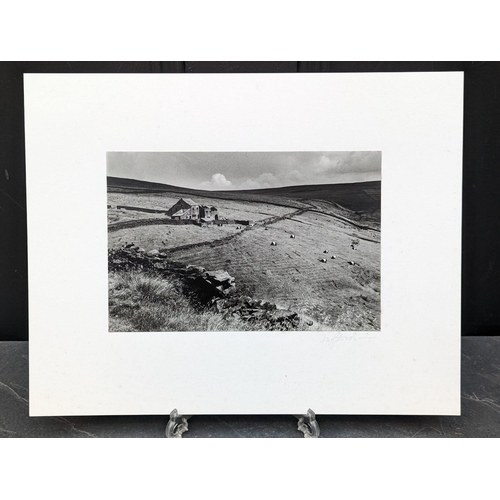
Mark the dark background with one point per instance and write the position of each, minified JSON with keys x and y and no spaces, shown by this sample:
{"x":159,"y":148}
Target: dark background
{"x":481,"y":175}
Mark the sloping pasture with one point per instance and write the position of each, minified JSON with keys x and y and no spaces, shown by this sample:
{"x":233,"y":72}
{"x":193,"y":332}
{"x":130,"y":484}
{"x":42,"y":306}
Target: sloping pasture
{"x":336,"y":294}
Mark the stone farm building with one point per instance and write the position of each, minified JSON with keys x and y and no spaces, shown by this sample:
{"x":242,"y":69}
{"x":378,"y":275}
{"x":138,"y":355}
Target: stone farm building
{"x":186,"y":208}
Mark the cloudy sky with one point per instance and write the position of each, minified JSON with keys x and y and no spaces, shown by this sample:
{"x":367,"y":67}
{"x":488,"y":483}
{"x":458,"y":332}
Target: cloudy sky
{"x":216,"y":171}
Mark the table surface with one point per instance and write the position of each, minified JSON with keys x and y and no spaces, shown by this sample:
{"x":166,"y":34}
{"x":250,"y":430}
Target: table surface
{"x":480,"y":410}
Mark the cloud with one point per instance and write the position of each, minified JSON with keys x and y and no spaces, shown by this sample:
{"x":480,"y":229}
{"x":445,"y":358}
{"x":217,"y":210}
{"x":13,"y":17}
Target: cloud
{"x":329,"y":165}
{"x":265,"y":180}
{"x":294,"y":177}
{"x":326,"y":165}
{"x":250,"y":184}
{"x":269,"y":180}
{"x":218,"y":181}
{"x":315,"y":168}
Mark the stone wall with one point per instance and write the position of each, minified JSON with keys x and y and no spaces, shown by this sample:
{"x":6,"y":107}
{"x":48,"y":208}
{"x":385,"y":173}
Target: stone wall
{"x":141,"y":209}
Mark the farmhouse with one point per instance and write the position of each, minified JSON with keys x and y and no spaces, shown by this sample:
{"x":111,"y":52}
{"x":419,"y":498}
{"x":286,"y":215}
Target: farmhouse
{"x":208,"y":213}
{"x":186,"y":208}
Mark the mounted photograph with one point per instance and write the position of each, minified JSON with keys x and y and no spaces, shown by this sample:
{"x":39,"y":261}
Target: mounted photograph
{"x":244,"y":241}
{"x":217,"y":242}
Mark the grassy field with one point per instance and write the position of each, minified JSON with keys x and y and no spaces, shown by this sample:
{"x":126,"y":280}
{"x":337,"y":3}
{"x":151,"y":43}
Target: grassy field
{"x":146,"y":303}
{"x":163,"y":236}
{"x":342,"y":293}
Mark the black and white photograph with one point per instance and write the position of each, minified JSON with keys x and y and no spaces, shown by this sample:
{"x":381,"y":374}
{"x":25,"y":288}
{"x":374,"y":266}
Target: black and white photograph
{"x":244,"y":241}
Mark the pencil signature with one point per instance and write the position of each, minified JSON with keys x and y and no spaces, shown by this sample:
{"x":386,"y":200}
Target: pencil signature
{"x":331,"y":340}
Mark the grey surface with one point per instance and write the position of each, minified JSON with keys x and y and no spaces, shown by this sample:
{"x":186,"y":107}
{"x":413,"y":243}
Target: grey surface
{"x":480,"y":409}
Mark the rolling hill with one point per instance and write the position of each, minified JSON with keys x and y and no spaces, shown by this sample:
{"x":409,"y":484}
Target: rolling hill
{"x":358,"y":197}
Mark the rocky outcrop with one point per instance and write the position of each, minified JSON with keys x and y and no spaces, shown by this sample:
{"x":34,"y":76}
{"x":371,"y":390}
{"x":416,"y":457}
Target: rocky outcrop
{"x":210,"y":284}
{"x":222,"y":281}
{"x":259,"y":311}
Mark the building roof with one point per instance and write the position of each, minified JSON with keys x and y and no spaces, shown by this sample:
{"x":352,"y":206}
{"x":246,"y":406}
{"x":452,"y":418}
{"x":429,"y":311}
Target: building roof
{"x":189,"y":201}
